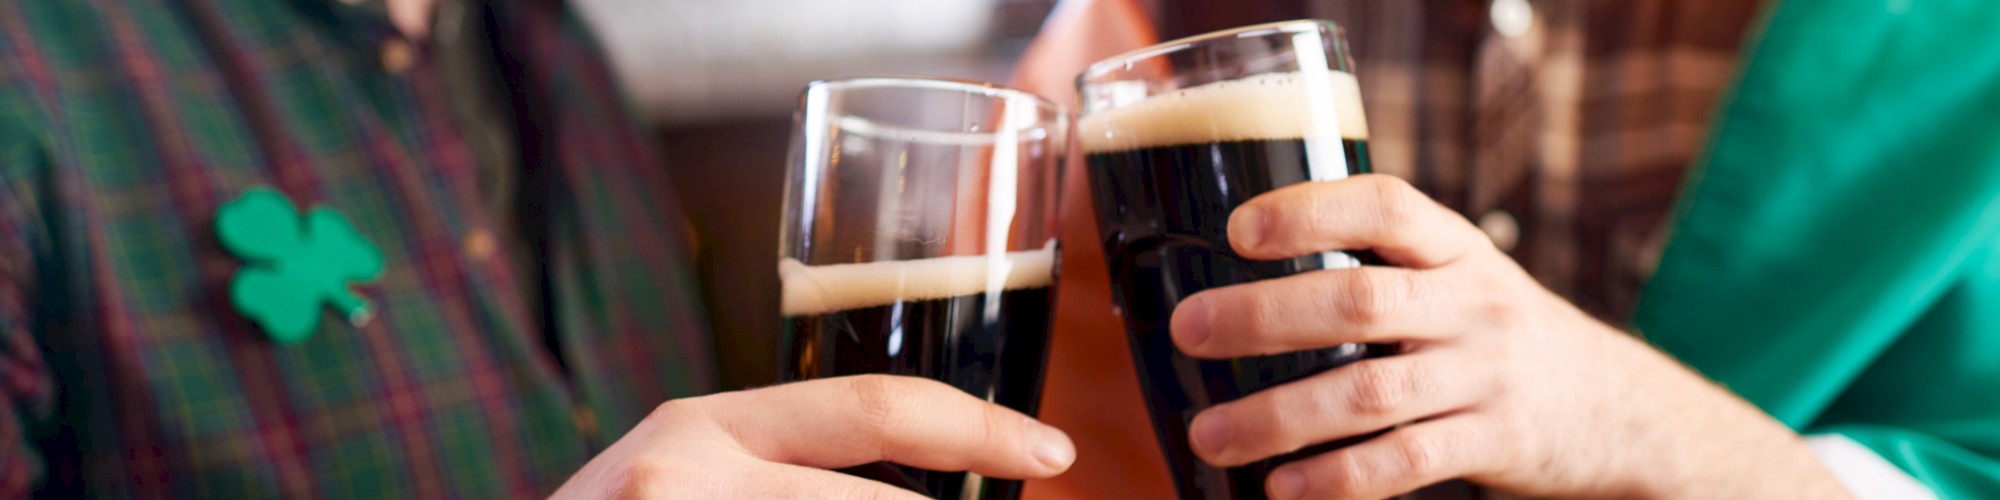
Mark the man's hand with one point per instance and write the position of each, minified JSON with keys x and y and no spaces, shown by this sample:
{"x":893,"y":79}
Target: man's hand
{"x":777,"y":442}
{"x":1500,"y":381}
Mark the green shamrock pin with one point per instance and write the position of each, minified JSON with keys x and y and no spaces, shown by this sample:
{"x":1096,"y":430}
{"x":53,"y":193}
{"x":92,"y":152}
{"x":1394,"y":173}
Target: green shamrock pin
{"x":290,"y":269}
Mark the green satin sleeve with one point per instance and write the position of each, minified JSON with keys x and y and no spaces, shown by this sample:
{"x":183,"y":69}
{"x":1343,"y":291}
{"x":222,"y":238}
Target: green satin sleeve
{"x":1832,"y":259}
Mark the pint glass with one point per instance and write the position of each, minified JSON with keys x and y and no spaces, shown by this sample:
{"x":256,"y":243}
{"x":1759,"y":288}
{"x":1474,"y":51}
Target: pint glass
{"x":1178,"y":135}
{"x":919,"y":239}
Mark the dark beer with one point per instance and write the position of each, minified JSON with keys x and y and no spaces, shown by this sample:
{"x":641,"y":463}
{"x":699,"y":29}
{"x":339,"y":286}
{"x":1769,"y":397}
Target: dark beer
{"x":1165,"y":173}
{"x":939,"y":318}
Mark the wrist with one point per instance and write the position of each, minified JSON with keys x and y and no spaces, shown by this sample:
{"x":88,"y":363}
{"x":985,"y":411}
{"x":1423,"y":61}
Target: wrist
{"x":1732,"y":449}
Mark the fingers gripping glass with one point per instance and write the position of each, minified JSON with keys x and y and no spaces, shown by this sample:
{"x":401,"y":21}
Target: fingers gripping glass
{"x":919,"y":239}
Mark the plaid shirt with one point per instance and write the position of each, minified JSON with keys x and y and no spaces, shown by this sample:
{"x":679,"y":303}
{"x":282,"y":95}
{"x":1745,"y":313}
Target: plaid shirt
{"x":1568,"y":141}
{"x":124,"y":370}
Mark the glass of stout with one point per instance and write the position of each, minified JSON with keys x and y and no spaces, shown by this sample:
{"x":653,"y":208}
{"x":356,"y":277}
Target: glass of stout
{"x":1176,"y":136}
{"x":919,"y":239}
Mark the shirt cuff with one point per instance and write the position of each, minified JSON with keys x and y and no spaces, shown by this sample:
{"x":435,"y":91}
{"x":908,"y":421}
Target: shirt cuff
{"x":1866,"y":475}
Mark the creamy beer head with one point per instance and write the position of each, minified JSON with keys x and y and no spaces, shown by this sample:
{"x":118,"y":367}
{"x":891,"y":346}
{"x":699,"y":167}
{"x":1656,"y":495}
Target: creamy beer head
{"x":840,"y":287}
{"x":1271,"y":106}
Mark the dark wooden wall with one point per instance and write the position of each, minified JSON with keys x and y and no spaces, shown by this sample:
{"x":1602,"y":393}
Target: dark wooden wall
{"x":729,"y":179}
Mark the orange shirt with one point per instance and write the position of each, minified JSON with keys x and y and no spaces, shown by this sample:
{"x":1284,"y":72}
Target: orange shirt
{"x":1092,"y":391}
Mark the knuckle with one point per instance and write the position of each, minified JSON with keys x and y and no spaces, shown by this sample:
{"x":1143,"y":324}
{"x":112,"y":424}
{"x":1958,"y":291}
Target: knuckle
{"x":648,"y":471}
{"x":893,"y":409}
{"x":1409,"y":289}
{"x":883,"y":407}
{"x":1345,"y":474}
{"x":1373,"y":296}
{"x":1379,"y":390}
{"x":1325,"y":400}
{"x":1397,"y":203}
{"x":1499,"y":305}
{"x":674,"y":411}
{"x":1256,"y":313}
{"x":1001,"y":431}
{"x":1361,"y":303}
{"x":1503,"y":317}
{"x":1422,"y":455}
{"x":1507,"y":319}
{"x":1263,"y":424}
{"x":648,"y":478}
{"x":879,"y":400}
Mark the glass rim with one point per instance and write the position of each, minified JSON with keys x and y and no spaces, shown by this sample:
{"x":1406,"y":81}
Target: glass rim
{"x":974,"y":87}
{"x":1126,"y":59}
{"x":1039,"y":129}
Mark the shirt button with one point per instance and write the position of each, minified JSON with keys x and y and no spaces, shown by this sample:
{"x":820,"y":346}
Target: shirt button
{"x":481,"y":245}
{"x":1512,"y":18}
{"x":1501,"y":227}
{"x":398,"y":56}
{"x":586,"y":421}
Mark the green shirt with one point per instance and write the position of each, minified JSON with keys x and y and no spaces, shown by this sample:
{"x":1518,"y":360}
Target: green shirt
{"x":1834,"y":259}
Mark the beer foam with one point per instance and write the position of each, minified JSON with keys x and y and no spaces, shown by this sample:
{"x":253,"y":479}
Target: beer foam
{"x":841,"y":287}
{"x":1272,"y":106}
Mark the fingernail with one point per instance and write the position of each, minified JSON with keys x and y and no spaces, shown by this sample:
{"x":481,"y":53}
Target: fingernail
{"x":1052,"y":447}
{"x":1191,"y":320}
{"x":1287,"y":484}
{"x":1211,"y":432}
{"x":1246,"y":227}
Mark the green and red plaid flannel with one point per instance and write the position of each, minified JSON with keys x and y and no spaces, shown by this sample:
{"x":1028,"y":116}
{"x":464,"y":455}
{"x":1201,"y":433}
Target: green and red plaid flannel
{"x":124,"y":370}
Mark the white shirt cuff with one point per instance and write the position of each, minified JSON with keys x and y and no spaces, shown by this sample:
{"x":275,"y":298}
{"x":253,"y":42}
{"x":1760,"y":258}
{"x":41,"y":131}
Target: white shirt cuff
{"x":1866,"y":475}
